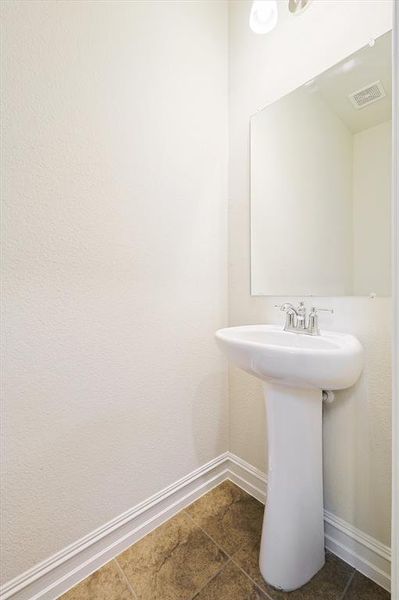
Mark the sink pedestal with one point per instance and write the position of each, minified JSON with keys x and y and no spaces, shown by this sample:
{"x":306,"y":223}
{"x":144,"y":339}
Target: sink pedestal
{"x":295,"y":368}
{"x":292,"y":546}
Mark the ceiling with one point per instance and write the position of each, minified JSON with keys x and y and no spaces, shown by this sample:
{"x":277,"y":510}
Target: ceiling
{"x":367,"y":65}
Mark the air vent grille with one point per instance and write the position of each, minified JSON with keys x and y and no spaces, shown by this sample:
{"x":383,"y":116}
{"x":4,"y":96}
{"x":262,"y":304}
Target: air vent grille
{"x":367,"y":95}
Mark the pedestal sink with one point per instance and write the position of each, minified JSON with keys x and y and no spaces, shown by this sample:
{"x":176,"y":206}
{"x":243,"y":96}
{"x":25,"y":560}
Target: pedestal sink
{"x":295,"y":369}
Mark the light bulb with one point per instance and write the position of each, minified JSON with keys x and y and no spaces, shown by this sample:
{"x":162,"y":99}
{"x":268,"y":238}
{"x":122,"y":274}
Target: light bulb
{"x":263,"y":16}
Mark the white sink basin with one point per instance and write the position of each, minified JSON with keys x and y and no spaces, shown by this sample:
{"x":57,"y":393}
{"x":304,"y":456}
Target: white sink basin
{"x":331,"y":361}
{"x":295,"y":368}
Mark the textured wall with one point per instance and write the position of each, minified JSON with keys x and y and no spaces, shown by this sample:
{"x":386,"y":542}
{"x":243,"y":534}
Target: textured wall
{"x":357,"y":427}
{"x":372,"y":175}
{"x":115,"y":215}
{"x":115,"y":259}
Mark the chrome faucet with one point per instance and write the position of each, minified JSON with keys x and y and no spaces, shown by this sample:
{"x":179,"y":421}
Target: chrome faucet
{"x":296,"y":321}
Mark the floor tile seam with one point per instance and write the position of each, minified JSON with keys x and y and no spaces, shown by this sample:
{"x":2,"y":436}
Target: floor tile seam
{"x":131,"y":588}
{"x":252,"y":580}
{"x":211,"y":578}
{"x":348,"y":584}
{"x":125,"y":577}
{"x":229,"y":556}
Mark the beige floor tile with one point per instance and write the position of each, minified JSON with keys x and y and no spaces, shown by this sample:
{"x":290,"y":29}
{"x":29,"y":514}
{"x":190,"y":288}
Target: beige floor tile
{"x":362,"y":588}
{"x":328,"y":584}
{"x":173,"y":562}
{"x":229,"y":515}
{"x":247,"y":557}
{"x":107,"y":583}
{"x":178,"y":560}
{"x":231,"y":584}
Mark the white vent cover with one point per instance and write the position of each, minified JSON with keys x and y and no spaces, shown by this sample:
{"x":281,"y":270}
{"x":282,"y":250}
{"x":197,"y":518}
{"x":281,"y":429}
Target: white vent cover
{"x":367,"y":95}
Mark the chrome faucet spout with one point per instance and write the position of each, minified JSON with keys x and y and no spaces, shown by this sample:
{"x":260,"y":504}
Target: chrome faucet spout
{"x":291,"y":315}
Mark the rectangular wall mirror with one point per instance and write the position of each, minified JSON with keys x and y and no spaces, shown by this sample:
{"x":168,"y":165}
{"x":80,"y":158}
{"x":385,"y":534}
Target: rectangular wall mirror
{"x":321,"y":183}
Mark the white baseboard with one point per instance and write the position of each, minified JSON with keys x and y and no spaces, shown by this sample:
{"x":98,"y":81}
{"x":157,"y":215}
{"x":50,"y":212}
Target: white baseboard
{"x":358,"y":549}
{"x":54,"y":576}
{"x":60,"y":572}
{"x":247,"y":477}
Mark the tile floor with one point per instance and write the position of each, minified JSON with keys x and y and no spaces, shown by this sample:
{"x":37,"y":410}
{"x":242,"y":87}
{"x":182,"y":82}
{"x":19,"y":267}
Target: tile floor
{"x":209,"y":551}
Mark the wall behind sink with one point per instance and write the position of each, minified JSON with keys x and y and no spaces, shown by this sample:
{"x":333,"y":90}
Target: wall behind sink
{"x":115,"y":259}
{"x":357,"y":447}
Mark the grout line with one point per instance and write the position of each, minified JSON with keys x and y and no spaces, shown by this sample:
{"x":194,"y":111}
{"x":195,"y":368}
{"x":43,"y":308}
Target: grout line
{"x":348,"y":585}
{"x":211,"y":578}
{"x":253,"y":581}
{"x":202,"y":529}
{"x":126,"y":579}
{"x":209,"y":536}
{"x":231,"y":558}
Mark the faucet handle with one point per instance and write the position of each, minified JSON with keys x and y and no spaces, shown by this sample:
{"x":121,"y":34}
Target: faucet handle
{"x":313,"y":324}
{"x":290,"y":315}
{"x":315,"y":310}
{"x":285,"y":306}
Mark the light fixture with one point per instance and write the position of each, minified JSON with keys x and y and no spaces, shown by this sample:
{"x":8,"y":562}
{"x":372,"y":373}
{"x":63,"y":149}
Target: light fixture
{"x":348,"y":65}
{"x":296,"y":7}
{"x":264,"y":15}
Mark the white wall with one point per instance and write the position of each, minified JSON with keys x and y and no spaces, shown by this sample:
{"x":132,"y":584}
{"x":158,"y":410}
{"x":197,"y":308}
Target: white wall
{"x":115,"y":214}
{"x":115,"y":138}
{"x":357,"y":426}
{"x":372,"y":174}
{"x":301,"y":198}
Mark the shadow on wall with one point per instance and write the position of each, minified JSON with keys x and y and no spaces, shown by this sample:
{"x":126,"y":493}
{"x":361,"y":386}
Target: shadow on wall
{"x":350,"y":415}
{"x":248,"y":424}
{"x":204,"y":416}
